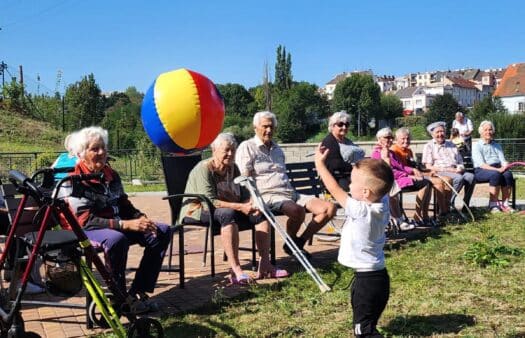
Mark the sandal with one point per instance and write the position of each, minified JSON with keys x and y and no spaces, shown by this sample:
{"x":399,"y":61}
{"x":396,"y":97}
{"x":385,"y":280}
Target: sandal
{"x":243,"y":279}
{"x":275,"y":273}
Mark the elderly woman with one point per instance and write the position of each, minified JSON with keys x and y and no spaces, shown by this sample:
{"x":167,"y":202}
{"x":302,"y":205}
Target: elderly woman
{"x":490,"y":166}
{"x":342,"y":152}
{"x":214,"y":178}
{"x":111,"y":221}
{"x":404,"y":154}
{"x":406,"y":178}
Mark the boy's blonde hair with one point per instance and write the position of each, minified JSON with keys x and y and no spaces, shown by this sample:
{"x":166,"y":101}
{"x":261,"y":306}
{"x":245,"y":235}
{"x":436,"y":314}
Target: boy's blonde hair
{"x":379,"y":175}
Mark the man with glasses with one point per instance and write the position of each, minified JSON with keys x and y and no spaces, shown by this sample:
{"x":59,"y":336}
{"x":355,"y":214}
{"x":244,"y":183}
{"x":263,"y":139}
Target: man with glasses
{"x":342,"y":152}
{"x":263,"y":159}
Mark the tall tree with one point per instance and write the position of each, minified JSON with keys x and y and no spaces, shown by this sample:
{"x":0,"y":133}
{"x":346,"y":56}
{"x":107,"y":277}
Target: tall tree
{"x":299,"y":111}
{"x":391,"y":107}
{"x":84,"y":103}
{"x":443,"y":108}
{"x":283,"y":69}
{"x":236,"y":99}
{"x":359,"y":95}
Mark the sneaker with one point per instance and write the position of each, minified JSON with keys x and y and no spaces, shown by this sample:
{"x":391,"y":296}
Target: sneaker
{"x":404,"y":226}
{"x":300,"y":244}
{"x":495,"y":210}
{"x":143,"y":304}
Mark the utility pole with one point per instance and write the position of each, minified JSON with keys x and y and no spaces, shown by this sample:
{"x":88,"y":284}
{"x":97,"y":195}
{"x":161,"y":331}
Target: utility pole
{"x":3,"y":67}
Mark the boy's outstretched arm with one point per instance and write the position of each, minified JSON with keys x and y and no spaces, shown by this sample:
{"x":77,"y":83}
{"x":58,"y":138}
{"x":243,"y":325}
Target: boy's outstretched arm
{"x":329,"y":181}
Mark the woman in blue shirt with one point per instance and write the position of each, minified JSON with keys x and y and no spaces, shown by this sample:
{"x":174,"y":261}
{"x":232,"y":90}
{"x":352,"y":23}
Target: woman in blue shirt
{"x":490,"y":166}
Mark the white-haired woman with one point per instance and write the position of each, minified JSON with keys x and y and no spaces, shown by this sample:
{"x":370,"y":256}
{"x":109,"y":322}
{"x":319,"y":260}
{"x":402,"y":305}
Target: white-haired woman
{"x":110,"y":220}
{"x":213,"y":178}
{"x":406,"y":178}
{"x":490,"y":166}
{"x":342,"y":152}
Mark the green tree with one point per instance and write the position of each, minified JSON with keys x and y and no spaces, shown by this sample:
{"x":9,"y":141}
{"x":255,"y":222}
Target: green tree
{"x":359,"y":95}
{"x":283,"y":69}
{"x":299,"y":112}
{"x":13,"y":93}
{"x":488,"y":105}
{"x":237,"y":99}
{"x":443,"y":108}
{"x":391,"y":107}
{"x":84,"y":103}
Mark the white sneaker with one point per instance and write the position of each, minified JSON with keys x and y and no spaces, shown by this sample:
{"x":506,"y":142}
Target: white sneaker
{"x":404,"y":226}
{"x":494,"y":210}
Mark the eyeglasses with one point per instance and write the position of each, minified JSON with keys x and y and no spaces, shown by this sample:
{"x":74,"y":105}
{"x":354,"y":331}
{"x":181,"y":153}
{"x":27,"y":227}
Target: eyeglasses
{"x":388,"y":137}
{"x":342,"y":124}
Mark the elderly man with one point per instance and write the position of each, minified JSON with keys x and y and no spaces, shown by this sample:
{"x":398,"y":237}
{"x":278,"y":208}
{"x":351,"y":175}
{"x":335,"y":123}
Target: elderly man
{"x":464,"y":125}
{"x":262,"y":159}
{"x":441,"y":156}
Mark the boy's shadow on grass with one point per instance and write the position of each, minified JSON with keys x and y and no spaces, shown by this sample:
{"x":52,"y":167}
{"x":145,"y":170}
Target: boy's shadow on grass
{"x":429,"y":325}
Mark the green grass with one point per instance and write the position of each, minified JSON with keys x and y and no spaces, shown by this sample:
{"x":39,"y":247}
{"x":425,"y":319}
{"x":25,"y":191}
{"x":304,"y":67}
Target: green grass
{"x":436,"y":290}
{"x":520,"y":188}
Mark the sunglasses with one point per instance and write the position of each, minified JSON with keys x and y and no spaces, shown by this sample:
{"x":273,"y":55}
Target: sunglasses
{"x":342,"y":124}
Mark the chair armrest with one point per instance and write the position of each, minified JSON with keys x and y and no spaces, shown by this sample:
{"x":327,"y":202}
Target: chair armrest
{"x":200,"y":197}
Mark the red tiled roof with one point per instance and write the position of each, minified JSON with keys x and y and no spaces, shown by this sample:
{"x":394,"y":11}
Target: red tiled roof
{"x":462,"y":82}
{"x":513,"y":81}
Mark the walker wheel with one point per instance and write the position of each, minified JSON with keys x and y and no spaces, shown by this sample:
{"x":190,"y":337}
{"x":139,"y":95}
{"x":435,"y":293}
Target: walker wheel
{"x":96,"y":316}
{"x":145,"y":327}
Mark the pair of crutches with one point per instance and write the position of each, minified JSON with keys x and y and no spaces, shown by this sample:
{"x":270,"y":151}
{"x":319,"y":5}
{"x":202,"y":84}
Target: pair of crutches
{"x":258,"y":202}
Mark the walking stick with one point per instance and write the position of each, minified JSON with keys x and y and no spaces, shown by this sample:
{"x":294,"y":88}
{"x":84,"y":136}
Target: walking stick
{"x":457,"y":196}
{"x":249,"y":183}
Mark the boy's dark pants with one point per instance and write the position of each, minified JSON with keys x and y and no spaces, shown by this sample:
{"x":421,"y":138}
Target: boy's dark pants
{"x":369,"y":295}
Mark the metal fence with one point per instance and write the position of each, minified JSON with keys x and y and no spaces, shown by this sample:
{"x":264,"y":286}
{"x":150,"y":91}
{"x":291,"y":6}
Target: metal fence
{"x":130,"y":164}
{"x":146,"y":166}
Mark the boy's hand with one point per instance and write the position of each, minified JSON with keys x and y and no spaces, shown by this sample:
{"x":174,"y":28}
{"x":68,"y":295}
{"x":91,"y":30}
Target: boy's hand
{"x":321,"y":153}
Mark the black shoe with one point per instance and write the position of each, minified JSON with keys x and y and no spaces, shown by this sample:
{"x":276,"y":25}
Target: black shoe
{"x":300,"y":244}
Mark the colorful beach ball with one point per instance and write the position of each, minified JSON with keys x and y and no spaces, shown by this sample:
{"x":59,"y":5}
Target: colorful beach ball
{"x":182,"y":111}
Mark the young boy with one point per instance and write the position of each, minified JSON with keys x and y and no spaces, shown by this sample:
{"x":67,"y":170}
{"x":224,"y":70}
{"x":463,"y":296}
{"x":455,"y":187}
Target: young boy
{"x":363,"y":236}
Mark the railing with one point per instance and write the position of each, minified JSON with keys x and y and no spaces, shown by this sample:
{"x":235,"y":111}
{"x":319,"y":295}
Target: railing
{"x":132,"y":164}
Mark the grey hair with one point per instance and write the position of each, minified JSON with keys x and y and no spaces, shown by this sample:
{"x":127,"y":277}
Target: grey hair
{"x":340,"y":116}
{"x":402,"y":131}
{"x":483,"y":123}
{"x":383,"y":132}
{"x":264,"y":115}
{"x":224,"y":137}
{"x":460,"y":114}
{"x":78,"y":141}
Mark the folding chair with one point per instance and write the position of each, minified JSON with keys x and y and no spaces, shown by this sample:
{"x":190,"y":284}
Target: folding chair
{"x":176,"y":171}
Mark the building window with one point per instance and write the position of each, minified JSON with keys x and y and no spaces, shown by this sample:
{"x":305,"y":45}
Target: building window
{"x":419,"y":102}
{"x":521,"y":106}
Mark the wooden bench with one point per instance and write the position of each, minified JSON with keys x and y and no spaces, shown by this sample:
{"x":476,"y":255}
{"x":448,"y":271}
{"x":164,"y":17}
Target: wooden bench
{"x":304,"y":178}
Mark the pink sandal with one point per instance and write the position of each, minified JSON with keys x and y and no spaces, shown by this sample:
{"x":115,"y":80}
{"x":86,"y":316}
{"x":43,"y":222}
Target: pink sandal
{"x":275,"y":273}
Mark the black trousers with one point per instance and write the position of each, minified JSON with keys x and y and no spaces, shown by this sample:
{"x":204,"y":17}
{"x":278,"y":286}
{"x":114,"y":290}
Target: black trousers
{"x":369,"y":296}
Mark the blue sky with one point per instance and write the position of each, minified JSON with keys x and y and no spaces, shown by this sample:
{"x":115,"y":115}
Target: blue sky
{"x":128,"y":43}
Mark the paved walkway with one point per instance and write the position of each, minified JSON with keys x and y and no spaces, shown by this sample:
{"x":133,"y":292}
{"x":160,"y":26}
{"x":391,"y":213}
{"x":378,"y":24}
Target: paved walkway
{"x":200,"y":287}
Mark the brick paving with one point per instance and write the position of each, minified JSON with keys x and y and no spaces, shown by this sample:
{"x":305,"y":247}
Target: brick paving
{"x":199,"y":289}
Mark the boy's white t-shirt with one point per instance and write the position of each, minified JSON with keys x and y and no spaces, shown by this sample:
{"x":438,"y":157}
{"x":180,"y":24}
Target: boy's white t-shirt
{"x":363,"y":235}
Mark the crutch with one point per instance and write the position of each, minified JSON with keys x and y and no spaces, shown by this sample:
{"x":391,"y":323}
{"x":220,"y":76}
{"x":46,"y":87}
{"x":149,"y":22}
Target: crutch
{"x":249,"y":183}
{"x":457,"y":196}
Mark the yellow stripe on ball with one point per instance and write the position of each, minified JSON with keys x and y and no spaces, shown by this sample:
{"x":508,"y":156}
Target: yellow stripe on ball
{"x":177,"y":103}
